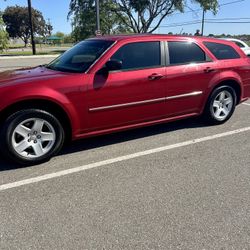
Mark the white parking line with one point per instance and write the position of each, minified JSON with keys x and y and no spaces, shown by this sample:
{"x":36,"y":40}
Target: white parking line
{"x":118,"y":159}
{"x":245,"y":103}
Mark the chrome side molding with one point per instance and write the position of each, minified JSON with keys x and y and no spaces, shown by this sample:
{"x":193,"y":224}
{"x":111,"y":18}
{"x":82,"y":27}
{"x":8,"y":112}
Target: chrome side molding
{"x":131,"y":104}
{"x":184,"y":95}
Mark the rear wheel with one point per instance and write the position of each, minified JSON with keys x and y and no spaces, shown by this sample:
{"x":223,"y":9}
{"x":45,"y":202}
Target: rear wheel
{"x":220,"y":105}
{"x":31,"y":136}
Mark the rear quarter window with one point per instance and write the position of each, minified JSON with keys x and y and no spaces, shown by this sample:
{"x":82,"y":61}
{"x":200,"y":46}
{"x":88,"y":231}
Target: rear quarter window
{"x":222,"y":51}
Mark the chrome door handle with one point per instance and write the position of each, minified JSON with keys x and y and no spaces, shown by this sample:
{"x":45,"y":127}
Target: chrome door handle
{"x":209,"y":70}
{"x":155,"y":76}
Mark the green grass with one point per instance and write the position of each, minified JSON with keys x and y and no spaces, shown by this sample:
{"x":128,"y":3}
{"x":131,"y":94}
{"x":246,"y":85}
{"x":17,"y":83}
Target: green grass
{"x":29,"y":53}
{"x":16,"y":46}
{"x":21,"y":46}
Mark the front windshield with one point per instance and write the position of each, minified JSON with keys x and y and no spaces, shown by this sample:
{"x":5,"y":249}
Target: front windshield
{"x":79,"y":58}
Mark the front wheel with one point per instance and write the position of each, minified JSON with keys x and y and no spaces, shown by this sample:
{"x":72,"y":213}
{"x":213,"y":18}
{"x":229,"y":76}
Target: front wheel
{"x":31,"y":136}
{"x":220,"y":105}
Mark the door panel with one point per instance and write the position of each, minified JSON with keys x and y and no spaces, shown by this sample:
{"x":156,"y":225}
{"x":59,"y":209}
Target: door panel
{"x":189,"y":73}
{"x":187,"y":85}
{"x":121,"y":98}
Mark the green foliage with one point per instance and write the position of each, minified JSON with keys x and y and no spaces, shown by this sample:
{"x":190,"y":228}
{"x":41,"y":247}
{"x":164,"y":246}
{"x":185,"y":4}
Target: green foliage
{"x":16,"y":19}
{"x":208,"y":4}
{"x":48,"y":29}
{"x":83,"y":19}
{"x":139,"y":6}
{"x":59,"y":34}
{"x":120,"y":16}
{"x":4,"y":36}
{"x":68,"y":39}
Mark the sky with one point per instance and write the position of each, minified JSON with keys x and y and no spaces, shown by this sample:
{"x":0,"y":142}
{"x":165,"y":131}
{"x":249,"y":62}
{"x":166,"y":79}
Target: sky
{"x":57,"y":10}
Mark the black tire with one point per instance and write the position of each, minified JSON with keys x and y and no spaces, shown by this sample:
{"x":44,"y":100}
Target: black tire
{"x":7,"y":133}
{"x":209,"y":112}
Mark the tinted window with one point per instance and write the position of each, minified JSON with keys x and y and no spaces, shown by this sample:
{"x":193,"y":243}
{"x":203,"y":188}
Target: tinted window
{"x":241,"y":45}
{"x":222,"y":51}
{"x":139,"y":55}
{"x":185,"y":52}
{"x":81,"y":56}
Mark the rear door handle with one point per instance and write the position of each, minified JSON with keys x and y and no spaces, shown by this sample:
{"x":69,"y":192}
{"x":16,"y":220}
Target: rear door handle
{"x":209,"y":70}
{"x":155,"y":76}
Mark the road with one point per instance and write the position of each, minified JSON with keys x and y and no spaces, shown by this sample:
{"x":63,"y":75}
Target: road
{"x":183,"y":185}
{"x":10,"y":63}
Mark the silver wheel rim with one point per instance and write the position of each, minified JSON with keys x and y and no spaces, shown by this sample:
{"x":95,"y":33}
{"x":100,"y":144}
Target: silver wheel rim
{"x":33,"y":138}
{"x":222,"y":105}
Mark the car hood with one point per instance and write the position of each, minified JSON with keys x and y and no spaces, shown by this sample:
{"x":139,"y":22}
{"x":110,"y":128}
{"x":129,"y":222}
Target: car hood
{"x":27,"y":75}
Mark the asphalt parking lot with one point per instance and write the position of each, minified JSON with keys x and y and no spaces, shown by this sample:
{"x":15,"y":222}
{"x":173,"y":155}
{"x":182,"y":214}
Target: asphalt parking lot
{"x":183,"y":185}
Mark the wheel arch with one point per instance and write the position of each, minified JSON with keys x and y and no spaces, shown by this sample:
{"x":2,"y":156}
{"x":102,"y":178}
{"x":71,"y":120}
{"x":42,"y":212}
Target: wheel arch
{"x":47,"y":105}
{"x":233,"y":84}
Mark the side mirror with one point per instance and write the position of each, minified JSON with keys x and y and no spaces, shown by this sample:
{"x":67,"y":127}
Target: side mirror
{"x":112,"y":65}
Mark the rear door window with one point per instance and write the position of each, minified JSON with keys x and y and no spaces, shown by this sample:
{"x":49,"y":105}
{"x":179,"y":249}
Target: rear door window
{"x":185,"y":53}
{"x":222,"y":51}
{"x":139,"y":55}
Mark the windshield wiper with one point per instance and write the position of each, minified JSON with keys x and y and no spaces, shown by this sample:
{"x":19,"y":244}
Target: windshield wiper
{"x":62,"y":69}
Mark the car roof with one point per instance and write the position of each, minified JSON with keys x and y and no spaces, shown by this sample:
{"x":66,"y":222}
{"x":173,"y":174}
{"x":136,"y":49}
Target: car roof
{"x":142,"y":37}
{"x":231,"y":39}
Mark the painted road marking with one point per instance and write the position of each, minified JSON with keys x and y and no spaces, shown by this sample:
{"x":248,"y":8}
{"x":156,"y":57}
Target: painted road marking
{"x":118,"y":159}
{"x":245,"y":103}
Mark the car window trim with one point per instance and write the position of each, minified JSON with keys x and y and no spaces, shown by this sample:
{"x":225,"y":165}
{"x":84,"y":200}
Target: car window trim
{"x":137,"y":69}
{"x":100,"y":57}
{"x":168,"y":64}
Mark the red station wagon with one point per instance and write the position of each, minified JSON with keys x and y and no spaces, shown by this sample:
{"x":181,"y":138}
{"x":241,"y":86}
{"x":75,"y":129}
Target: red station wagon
{"x":113,"y":83}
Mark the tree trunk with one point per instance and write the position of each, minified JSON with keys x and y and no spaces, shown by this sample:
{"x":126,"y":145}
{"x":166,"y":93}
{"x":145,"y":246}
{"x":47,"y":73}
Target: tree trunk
{"x":25,"y":42}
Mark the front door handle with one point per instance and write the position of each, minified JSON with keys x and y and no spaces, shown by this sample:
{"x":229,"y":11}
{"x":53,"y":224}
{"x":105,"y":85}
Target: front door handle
{"x":155,"y":76}
{"x":209,"y":70}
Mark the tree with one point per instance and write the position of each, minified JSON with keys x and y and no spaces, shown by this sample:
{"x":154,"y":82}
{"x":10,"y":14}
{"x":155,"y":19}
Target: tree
{"x":16,"y":19}
{"x":146,"y":15}
{"x":120,"y":16}
{"x":48,"y":29}
{"x":3,"y":36}
{"x":83,"y":19}
{"x":60,"y":34}
{"x":68,"y":39}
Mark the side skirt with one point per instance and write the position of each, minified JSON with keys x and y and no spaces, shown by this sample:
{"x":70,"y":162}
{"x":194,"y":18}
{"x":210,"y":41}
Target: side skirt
{"x":133,"y":126}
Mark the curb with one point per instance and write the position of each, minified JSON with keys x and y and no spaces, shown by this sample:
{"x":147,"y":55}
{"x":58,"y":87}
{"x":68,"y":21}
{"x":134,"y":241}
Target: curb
{"x":27,"y":57}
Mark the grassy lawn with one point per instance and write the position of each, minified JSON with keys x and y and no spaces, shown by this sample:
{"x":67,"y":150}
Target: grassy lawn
{"x":29,"y":53}
{"x":42,"y":49}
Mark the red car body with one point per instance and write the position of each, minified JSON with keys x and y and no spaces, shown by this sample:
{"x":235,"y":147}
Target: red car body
{"x":94,"y":104}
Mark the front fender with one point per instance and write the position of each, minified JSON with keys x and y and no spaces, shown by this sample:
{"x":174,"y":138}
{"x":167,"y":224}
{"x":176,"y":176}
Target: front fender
{"x":9,"y":97}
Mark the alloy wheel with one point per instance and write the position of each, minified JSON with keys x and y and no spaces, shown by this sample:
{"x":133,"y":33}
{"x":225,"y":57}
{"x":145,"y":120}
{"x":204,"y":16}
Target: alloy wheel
{"x":222,"y":105}
{"x":33,"y":138}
